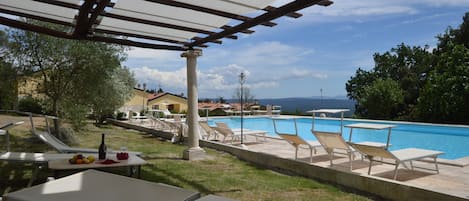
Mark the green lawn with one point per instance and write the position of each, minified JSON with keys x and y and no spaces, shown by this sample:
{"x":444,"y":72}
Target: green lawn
{"x":222,"y":174}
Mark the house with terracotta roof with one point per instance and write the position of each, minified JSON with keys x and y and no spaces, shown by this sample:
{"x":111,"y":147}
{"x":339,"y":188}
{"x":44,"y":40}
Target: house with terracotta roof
{"x":172,"y":102}
{"x":138,"y":102}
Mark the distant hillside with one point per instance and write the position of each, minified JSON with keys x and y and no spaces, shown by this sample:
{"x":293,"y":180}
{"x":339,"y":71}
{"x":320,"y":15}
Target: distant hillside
{"x":305,"y":104}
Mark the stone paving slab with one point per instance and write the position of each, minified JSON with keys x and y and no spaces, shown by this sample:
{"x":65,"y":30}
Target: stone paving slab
{"x":453,"y":180}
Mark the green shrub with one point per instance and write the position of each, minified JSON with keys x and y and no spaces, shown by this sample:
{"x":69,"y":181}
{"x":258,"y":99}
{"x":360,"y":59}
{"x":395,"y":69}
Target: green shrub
{"x":120,"y":116}
{"x":30,"y":104}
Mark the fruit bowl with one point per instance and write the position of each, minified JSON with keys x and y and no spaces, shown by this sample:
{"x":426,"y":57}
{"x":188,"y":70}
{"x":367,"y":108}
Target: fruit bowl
{"x":122,"y":156}
{"x":80,"y":159}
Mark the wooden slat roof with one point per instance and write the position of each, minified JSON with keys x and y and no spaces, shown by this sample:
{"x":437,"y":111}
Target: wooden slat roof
{"x":158,"y":24}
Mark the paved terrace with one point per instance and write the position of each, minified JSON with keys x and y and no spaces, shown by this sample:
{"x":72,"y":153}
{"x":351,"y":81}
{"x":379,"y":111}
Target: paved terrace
{"x":452,"y":183}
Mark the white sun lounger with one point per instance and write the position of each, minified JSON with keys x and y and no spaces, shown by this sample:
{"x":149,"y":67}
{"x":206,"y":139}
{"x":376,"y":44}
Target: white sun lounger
{"x":333,"y":143}
{"x":297,"y":141}
{"x":61,"y":147}
{"x":399,"y":156}
{"x":209,"y":131}
{"x":226,"y":131}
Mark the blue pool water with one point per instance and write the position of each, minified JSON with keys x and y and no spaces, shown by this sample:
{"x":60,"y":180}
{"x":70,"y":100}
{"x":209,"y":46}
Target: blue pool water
{"x":452,"y":140}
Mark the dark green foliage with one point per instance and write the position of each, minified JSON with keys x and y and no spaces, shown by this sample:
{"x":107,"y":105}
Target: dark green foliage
{"x":120,"y":116}
{"x":221,"y":99}
{"x":446,"y":94}
{"x":452,"y":36}
{"x":78,"y":77}
{"x":8,"y":86}
{"x":160,"y":90}
{"x":382,"y":99}
{"x":30,"y":104}
{"x":434,"y":85}
{"x":407,"y":66}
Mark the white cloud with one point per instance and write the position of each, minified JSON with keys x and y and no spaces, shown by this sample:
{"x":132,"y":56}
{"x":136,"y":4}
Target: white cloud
{"x":175,"y":80}
{"x":354,"y":9}
{"x":424,"y":18}
{"x":440,"y":3}
{"x":270,"y":53}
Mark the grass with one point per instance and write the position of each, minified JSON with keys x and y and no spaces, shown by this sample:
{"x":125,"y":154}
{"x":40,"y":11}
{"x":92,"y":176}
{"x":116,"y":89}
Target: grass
{"x":222,"y":174}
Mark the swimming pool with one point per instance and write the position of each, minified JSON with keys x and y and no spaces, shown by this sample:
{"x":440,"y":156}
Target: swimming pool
{"x":453,"y":140}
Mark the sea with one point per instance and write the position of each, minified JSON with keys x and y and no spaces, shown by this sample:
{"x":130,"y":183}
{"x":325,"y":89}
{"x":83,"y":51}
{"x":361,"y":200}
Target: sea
{"x":294,"y":105}
{"x":301,"y":105}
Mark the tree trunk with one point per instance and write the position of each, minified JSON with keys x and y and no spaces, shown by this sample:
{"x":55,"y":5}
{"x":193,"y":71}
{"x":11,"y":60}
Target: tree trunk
{"x":55,"y":111}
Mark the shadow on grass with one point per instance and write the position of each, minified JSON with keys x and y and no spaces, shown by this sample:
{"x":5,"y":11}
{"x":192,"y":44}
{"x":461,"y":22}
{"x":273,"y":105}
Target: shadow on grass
{"x":161,"y":157}
{"x":168,"y":177}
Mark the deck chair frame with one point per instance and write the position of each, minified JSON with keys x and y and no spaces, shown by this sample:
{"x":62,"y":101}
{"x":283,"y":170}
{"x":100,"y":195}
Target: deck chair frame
{"x":371,"y":152}
{"x":332,"y":142}
{"x":296,"y":141}
{"x":208,"y":130}
{"x":227,"y":131}
{"x":60,"y":146}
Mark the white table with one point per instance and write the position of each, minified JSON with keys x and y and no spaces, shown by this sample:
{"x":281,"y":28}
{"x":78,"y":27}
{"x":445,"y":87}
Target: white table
{"x":102,"y":186}
{"x":329,"y":111}
{"x":372,"y":127}
{"x":133,"y":162}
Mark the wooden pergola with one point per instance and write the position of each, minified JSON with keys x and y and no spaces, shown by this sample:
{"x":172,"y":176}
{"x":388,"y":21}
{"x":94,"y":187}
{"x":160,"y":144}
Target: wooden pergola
{"x":178,"y":25}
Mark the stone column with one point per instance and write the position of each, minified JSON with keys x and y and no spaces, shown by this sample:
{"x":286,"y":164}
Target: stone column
{"x":193,"y":152}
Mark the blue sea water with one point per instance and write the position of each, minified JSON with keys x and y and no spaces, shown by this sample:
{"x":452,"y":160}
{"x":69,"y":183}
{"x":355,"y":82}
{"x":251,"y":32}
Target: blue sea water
{"x":304,"y":104}
{"x":453,"y":140}
{"x":292,"y":105}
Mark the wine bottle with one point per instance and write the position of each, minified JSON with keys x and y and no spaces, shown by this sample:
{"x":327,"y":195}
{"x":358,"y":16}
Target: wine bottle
{"x":102,"y":149}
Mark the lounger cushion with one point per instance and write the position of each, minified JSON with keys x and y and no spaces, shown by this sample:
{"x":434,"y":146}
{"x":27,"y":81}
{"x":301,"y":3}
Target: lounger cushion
{"x":414,"y":153}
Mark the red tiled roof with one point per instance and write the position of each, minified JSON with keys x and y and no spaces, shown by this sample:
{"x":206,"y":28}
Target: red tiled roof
{"x":155,"y":96}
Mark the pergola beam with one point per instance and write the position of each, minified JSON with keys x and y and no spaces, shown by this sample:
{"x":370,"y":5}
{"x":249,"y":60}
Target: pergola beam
{"x":89,"y":12}
{"x":247,"y":31}
{"x":35,"y":17}
{"x":59,"y":3}
{"x":83,"y":25}
{"x":292,"y":14}
{"x":143,"y":21}
{"x":118,"y":33}
{"x":279,"y":12}
{"x":29,"y":27}
{"x":160,"y":24}
{"x":209,"y":10}
{"x":135,"y":43}
{"x":213,"y":41}
{"x":43,"y":30}
{"x":97,"y":11}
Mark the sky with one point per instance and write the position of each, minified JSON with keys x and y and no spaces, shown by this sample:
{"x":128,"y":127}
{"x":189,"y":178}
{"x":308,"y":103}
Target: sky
{"x":299,"y":57}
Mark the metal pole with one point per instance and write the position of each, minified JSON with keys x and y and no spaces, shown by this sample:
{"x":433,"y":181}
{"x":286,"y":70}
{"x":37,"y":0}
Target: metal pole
{"x":321,"y":96}
{"x":241,"y":81}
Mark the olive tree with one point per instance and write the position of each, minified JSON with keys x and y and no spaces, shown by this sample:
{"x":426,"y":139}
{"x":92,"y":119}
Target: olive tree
{"x":73,"y":73}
